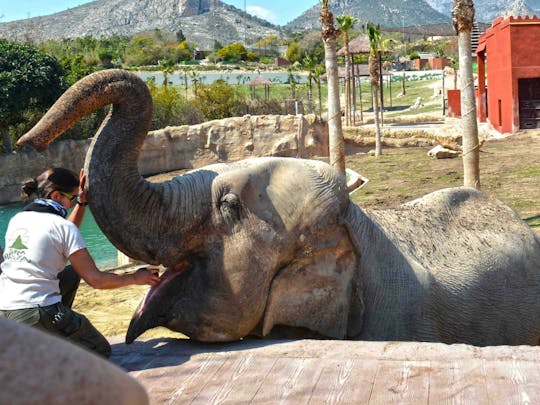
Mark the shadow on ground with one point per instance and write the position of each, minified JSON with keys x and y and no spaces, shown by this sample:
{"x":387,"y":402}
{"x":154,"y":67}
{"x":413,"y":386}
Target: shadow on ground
{"x":169,"y":352}
{"x":533,"y":221}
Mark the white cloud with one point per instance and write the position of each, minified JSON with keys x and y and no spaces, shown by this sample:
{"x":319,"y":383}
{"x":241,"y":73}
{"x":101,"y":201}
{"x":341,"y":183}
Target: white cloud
{"x":263,"y":13}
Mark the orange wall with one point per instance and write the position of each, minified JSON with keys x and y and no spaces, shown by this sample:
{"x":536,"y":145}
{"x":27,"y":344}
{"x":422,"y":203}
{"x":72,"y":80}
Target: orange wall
{"x":438,"y":63}
{"x":512,"y":53}
{"x":454,"y":103}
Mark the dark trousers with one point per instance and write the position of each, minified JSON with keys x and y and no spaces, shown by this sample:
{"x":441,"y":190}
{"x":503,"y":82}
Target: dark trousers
{"x":60,"y":319}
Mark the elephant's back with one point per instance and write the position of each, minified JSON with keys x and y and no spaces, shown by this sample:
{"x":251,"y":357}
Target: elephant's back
{"x":483,"y":264}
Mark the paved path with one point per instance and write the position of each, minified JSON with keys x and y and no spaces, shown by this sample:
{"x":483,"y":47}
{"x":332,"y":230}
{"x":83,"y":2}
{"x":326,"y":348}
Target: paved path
{"x":330,"y":372}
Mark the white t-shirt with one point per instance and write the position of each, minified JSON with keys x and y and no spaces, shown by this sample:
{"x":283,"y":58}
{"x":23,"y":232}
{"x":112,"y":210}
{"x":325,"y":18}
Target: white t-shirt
{"x":37,"y":248}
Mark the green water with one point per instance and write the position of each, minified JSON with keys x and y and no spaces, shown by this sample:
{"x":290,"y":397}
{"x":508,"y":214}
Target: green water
{"x":104,"y":253}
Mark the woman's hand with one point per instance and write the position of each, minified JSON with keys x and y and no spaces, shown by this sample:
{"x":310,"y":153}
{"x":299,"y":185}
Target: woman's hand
{"x":83,"y":191}
{"x":146,"y":275}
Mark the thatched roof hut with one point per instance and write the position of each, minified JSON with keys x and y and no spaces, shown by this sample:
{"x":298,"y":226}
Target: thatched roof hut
{"x":260,"y":81}
{"x":359,"y":45}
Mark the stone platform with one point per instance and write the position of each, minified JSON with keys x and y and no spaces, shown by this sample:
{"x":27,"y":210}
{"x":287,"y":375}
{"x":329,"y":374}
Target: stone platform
{"x":330,"y":372}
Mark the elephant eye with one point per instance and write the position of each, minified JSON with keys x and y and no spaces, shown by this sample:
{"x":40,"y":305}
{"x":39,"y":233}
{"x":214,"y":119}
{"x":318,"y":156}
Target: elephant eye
{"x":230,"y":206}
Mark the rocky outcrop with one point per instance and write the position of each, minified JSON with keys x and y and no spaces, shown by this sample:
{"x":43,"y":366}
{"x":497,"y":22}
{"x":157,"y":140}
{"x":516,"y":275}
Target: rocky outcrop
{"x":387,"y":13}
{"x":488,"y":10}
{"x":201,"y":21}
{"x":183,"y":147}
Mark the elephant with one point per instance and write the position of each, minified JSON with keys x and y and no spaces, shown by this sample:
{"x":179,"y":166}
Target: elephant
{"x":273,"y":246}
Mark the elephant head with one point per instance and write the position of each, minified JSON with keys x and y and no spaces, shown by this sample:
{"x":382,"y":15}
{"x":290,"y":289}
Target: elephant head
{"x":251,"y":247}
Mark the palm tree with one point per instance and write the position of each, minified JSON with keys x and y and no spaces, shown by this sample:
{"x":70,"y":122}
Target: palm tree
{"x":317,"y":74}
{"x":167,"y":66}
{"x":374,"y":36}
{"x":309,"y":64}
{"x":346,"y":24}
{"x":463,"y":16}
{"x":385,"y":46}
{"x":195,"y":79}
{"x":335,"y":132}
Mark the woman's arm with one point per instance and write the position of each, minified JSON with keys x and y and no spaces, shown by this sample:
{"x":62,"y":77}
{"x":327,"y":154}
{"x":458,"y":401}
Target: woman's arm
{"x":85,"y":266}
{"x":77,"y":214}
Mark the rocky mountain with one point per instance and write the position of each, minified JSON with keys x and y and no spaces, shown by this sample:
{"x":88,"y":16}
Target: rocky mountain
{"x":387,"y":13}
{"x":487,"y":10}
{"x":201,"y":21}
{"x":205,"y":21}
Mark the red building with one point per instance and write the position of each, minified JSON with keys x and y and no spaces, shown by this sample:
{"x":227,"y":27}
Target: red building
{"x":431,"y":63}
{"x":509,"y":52}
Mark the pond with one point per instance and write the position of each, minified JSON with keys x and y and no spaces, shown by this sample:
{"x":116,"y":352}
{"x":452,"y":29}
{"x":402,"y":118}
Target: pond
{"x":208,"y":77}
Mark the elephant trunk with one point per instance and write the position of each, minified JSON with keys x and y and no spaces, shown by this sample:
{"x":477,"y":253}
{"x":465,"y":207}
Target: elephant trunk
{"x":135,"y":215}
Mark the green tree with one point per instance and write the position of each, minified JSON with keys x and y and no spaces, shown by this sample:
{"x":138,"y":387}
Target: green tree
{"x":217,"y":100}
{"x":170,"y":108}
{"x":293,"y":52}
{"x":180,"y":37}
{"x":463,"y":16}
{"x":374,"y":36}
{"x":76,"y":68}
{"x":232,"y":53}
{"x":182,"y":51}
{"x":269,"y":45}
{"x":335,"y":131}
{"x":312,"y":46}
{"x":143,"y":50}
{"x":29,"y":80}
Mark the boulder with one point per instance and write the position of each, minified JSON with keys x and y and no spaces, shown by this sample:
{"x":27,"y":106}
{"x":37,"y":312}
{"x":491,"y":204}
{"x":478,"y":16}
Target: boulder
{"x":39,"y":368}
{"x":440,"y":152}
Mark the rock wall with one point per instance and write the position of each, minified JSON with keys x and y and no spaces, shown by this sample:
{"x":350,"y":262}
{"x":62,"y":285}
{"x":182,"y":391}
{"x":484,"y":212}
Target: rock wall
{"x":183,"y":147}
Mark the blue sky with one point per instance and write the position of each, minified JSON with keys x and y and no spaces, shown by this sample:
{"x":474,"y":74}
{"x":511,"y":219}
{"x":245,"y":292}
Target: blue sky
{"x":276,"y":11}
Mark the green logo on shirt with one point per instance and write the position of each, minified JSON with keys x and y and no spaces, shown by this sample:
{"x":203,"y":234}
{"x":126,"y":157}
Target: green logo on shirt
{"x":18,"y":244}
{"x":16,"y":251}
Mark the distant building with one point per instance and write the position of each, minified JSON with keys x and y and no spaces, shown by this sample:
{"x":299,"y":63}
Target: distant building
{"x":430,"y":62}
{"x":508,"y":56}
{"x":282,"y":61}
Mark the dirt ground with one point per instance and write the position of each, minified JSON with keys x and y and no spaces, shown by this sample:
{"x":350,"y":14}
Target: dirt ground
{"x":510,"y":170}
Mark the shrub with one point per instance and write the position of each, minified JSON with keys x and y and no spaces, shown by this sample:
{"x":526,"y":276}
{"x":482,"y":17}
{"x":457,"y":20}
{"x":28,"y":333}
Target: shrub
{"x":217,"y":100}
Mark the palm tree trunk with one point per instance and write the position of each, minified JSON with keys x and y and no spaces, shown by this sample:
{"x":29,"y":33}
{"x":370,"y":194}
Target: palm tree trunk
{"x":347,"y":81}
{"x":335,"y":132}
{"x":463,"y":18}
{"x":374,"y":74}
{"x":360,"y":101}
{"x":375,"y":95}
{"x":353,"y":90}
{"x":381,"y":88}
{"x":471,"y":151}
{"x":319,"y":96}
{"x":310,"y":94}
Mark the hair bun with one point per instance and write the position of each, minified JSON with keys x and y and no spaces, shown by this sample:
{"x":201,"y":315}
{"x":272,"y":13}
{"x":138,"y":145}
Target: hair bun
{"x":29,"y":187}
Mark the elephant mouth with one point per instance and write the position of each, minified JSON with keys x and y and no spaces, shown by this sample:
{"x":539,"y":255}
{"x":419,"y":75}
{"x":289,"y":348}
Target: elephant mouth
{"x":165,"y":278}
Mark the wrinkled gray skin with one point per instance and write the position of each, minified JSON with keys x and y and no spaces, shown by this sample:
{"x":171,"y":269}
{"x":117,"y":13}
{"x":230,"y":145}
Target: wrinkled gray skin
{"x":274,"y":246}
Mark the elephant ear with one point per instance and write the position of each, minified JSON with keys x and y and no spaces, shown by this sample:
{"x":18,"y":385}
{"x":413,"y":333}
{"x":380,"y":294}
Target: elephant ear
{"x":320,"y":292}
